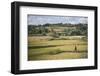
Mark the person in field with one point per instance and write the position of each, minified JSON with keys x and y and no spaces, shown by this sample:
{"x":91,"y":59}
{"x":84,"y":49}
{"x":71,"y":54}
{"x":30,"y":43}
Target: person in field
{"x":75,"y":48}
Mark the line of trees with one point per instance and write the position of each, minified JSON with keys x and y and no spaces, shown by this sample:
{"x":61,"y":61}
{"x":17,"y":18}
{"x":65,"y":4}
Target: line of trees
{"x":43,"y":30}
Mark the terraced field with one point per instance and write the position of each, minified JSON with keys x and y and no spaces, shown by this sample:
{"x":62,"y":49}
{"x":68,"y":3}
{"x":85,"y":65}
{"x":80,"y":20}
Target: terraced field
{"x":46,"y":48}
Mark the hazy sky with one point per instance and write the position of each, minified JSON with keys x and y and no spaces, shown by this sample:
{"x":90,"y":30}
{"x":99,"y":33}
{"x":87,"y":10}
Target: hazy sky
{"x":43,"y":19}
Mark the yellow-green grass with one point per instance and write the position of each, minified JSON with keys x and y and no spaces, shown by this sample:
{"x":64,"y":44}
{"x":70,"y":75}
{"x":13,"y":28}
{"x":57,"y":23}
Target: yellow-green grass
{"x":41,"y":48}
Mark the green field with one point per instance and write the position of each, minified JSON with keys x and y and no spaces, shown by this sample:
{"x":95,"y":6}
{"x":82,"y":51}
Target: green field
{"x":47,"y":48}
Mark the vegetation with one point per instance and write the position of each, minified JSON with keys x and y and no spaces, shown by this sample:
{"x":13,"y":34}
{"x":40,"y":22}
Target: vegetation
{"x":57,"y":41}
{"x":58,"y":29}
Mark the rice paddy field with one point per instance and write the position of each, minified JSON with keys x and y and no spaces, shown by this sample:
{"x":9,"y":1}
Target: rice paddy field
{"x":47,"y":48}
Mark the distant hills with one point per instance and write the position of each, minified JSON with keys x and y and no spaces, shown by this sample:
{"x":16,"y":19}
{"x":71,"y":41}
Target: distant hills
{"x":58,"y":29}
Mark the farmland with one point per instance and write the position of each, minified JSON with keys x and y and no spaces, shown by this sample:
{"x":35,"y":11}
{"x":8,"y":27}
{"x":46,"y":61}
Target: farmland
{"x":57,"y":41}
{"x":44,"y":48}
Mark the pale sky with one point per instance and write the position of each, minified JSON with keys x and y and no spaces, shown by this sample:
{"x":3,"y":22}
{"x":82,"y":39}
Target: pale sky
{"x":43,"y":19}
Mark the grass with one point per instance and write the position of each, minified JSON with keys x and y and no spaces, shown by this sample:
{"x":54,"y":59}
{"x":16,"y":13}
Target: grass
{"x":42,"y":48}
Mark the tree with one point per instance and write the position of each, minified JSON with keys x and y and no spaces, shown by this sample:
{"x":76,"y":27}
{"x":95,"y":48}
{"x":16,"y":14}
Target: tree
{"x":76,"y":32}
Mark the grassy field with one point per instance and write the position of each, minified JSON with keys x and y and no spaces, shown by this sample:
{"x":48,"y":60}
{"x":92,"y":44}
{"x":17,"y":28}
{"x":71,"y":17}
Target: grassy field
{"x":46,"y":48}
